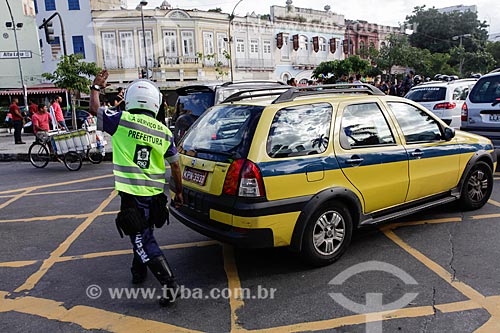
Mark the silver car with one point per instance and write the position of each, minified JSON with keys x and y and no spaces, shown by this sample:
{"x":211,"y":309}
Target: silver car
{"x":444,"y":99}
{"x":481,"y":111}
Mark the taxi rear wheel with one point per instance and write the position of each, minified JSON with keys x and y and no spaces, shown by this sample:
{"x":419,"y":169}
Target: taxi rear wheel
{"x":477,"y":187}
{"x":327,"y":235}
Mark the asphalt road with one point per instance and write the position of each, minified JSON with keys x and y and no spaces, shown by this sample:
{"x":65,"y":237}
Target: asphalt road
{"x":437,"y":271}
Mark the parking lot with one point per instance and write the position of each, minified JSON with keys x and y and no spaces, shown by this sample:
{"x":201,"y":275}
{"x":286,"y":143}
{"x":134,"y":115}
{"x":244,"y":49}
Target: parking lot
{"x":63,"y":266}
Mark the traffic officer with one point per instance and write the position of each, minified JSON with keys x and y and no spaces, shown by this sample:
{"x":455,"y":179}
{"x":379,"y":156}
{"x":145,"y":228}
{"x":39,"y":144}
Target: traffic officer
{"x":140,"y":145}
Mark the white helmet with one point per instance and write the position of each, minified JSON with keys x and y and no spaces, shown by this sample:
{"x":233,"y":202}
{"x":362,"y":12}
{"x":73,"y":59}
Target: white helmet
{"x":143,"y":94}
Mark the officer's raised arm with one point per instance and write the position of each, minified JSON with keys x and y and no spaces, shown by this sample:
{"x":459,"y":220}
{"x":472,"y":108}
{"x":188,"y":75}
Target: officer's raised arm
{"x":98,"y":84}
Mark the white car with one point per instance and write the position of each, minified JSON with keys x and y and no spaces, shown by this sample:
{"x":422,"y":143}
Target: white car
{"x":444,"y":99}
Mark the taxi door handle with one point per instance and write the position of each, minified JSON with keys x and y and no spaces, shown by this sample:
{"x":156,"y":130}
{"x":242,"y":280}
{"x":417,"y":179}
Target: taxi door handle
{"x":417,"y":153}
{"x":355,"y":160}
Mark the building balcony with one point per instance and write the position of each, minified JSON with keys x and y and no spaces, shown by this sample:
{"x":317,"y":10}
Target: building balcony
{"x":258,"y":64}
{"x":179,"y":62}
{"x":308,"y":62}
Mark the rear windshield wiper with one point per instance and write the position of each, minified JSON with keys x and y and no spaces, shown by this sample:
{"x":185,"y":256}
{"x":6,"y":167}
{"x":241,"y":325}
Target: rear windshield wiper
{"x":216,"y":152}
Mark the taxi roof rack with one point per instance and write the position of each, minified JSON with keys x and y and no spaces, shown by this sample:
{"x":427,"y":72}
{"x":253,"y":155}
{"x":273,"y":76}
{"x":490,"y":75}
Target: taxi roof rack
{"x":291,"y":93}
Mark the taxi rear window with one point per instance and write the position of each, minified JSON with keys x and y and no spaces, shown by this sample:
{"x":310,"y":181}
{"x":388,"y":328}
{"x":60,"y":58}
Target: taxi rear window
{"x":224,"y":131}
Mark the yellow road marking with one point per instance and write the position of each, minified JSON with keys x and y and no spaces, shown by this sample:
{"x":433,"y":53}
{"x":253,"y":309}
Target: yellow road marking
{"x":63,"y":247}
{"x":87,"y":317}
{"x":492,"y":307}
{"x":122,"y":252}
{"x":31,"y":188}
{"x":234,"y":284}
{"x":17,"y":264}
{"x":56,"y":217}
{"x":494,"y":203}
{"x":62,"y":192}
{"x":15,"y":198}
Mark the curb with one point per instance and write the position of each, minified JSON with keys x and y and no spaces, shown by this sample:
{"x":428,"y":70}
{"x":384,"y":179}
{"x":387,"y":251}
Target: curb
{"x":23,"y":157}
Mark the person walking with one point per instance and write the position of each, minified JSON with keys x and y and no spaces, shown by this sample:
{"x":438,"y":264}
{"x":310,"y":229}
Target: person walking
{"x":141,"y":144}
{"x":56,"y":106}
{"x":119,"y":101}
{"x":17,"y":121}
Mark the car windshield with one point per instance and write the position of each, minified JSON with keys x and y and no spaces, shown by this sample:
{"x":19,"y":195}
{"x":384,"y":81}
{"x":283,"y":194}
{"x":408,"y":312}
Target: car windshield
{"x":427,"y":94}
{"x":223,"y":131}
{"x":197,"y":102}
{"x":486,"y":90}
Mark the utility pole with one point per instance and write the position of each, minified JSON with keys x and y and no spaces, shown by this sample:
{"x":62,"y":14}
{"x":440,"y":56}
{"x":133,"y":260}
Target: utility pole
{"x":14,"y":27}
{"x":142,"y":4}
{"x":462,"y":51}
{"x":230,"y":39}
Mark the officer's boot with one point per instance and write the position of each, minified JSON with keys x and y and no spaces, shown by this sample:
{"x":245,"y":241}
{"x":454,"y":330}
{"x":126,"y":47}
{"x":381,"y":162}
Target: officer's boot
{"x":161,"y":270}
{"x":139,"y":270}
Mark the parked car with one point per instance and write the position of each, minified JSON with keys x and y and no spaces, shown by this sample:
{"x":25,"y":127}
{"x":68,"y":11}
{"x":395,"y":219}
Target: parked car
{"x":481,"y":110}
{"x":81,"y":116}
{"x":443,"y":98}
{"x":306,"y":167}
{"x":198,"y":98}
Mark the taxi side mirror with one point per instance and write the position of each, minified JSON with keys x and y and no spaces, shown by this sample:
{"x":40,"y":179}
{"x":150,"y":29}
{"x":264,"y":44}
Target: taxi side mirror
{"x":449,"y":133}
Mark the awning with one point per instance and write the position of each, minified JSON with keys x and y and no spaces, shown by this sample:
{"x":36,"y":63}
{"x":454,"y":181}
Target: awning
{"x":39,"y":89}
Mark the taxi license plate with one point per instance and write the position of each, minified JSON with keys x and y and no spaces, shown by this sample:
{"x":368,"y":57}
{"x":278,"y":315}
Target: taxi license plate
{"x":195,"y":176}
{"x":495,"y":117}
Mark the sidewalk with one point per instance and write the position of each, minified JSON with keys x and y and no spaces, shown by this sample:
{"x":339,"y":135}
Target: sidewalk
{"x":12,"y":152}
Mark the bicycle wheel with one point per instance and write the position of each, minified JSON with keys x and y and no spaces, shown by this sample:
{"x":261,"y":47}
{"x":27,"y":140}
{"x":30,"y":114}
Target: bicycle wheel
{"x":94,"y":157}
{"x":39,"y":155}
{"x":72,"y":161}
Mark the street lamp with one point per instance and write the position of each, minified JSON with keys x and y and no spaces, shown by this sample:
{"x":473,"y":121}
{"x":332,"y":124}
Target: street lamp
{"x":462,"y":59}
{"x":140,"y":7}
{"x":14,"y":28}
{"x":230,"y":39}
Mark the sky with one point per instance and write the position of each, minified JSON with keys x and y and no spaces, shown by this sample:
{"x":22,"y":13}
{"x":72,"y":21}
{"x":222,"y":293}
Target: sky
{"x":384,"y":12}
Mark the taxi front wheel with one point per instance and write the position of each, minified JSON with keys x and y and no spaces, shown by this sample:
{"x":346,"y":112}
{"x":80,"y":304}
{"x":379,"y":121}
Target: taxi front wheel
{"x":327,"y":235}
{"x":477,"y":187}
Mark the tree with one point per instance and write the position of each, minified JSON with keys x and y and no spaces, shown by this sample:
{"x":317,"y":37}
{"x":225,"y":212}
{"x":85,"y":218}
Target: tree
{"x":74,"y":75}
{"x":494,"y":49}
{"x":216,"y":10}
{"x":434,"y":30}
{"x":333,"y":70}
{"x":397,"y":52}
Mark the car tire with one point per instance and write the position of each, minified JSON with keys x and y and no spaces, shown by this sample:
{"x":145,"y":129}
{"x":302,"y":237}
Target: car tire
{"x":327,"y":234}
{"x":477,"y":187}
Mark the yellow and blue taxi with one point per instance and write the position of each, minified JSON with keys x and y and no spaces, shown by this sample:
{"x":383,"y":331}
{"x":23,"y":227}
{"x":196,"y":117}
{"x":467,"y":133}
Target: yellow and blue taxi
{"x":305,"y":166}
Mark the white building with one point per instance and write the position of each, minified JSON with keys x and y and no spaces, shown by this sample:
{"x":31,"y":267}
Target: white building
{"x":27,"y":36}
{"x":77,"y":19}
{"x":458,"y":8}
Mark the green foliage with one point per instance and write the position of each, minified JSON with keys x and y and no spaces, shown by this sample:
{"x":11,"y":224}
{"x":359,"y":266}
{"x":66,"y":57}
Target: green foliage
{"x":434,"y":30}
{"x":216,"y":10}
{"x":397,"y":52}
{"x":353,"y":64}
{"x":494,"y":49}
{"x":73,"y":74}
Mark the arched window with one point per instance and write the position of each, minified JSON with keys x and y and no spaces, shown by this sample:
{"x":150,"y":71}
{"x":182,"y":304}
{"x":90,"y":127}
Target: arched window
{"x":303,"y":43}
{"x":322,"y":44}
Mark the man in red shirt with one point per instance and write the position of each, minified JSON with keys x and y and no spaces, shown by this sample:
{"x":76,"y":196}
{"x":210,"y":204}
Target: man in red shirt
{"x":33,"y":107}
{"x":40,"y":121}
{"x":58,"y":112}
{"x":17,"y":120}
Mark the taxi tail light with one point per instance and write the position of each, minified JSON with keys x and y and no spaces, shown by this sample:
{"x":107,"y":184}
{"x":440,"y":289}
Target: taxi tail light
{"x":465,"y":112}
{"x":446,"y":105}
{"x":244,"y":179}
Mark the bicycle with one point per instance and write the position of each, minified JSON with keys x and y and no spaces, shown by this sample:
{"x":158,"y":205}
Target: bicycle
{"x":40,"y":155}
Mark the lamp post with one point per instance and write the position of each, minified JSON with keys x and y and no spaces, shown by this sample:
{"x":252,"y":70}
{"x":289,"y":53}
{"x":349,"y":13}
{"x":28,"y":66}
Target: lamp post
{"x":462,"y":59}
{"x":14,"y":27}
{"x":230,"y":39}
{"x":141,"y":5}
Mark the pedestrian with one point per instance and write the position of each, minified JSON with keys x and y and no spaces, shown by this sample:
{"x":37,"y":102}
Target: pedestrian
{"x":407,"y":83}
{"x":358,"y":78}
{"x":17,"y":121}
{"x":162,"y":113}
{"x":342,"y":79}
{"x":140,"y":145}
{"x":292,"y":82}
{"x":393,"y":89}
{"x":8,"y":121}
{"x":56,"y":106}
{"x":33,"y":108}
{"x":119,"y":101}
